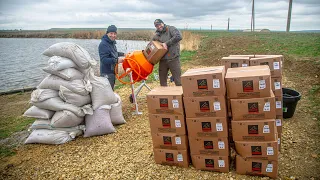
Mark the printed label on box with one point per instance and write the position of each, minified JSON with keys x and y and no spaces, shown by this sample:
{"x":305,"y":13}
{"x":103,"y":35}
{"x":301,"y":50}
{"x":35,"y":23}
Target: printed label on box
{"x":270,"y":151}
{"x":175,"y":103}
{"x":276,"y":65}
{"x":278,"y":122}
{"x":266,"y":129}
{"x":221,"y":144}
{"x":178,"y":140}
{"x":277,"y":85}
{"x":278,"y":105}
{"x":216,"y":83}
{"x":244,"y":65}
{"x":152,"y":46}
{"x":266,"y":106}
{"x":219,"y":127}
{"x":221,"y":163}
{"x":178,"y":123}
{"x":262,"y":84}
{"x":179,"y":157}
{"x":269,"y":168}
{"x":217,"y":106}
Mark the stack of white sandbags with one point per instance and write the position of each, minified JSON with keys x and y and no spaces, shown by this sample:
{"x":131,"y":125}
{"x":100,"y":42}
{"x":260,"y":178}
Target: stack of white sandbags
{"x":63,"y":100}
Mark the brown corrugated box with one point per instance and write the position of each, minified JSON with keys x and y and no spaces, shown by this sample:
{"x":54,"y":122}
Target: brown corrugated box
{"x":211,"y":163}
{"x":276,"y":85}
{"x":279,"y":121}
{"x":172,"y":157}
{"x":265,"y":150}
{"x":274,"y":64}
{"x":210,"y":106}
{"x":235,"y":61}
{"x":256,"y":167}
{"x":229,"y":107}
{"x":209,"y":146}
{"x":207,"y":127}
{"x":248,"y":82}
{"x":165,"y":100}
{"x":279,"y":102}
{"x":254,"y":130}
{"x":154,"y":52}
{"x":169,"y":141}
{"x":254,"y":108}
{"x":204,"y":82}
{"x":167,"y":123}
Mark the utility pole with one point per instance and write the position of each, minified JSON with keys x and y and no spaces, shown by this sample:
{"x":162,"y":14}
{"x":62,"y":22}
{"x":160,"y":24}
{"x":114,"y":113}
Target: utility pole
{"x":228,"y":23}
{"x":252,"y":17}
{"x":289,"y":15}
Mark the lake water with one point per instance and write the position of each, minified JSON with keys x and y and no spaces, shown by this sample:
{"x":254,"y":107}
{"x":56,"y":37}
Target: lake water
{"x":21,"y":59}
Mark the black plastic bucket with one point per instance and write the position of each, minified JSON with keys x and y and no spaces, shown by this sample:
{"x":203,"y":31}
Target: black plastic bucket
{"x":290,"y":100}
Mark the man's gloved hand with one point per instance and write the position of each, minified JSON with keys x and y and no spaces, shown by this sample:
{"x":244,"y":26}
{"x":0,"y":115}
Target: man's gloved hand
{"x":120,"y":59}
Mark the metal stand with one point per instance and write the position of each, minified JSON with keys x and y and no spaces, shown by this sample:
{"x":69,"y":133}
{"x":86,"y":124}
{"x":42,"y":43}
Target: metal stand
{"x":134,"y":96}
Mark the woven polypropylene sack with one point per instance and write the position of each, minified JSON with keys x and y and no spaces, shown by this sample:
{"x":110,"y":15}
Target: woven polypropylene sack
{"x":102,"y":93}
{"x":68,"y":74}
{"x":78,"y":86}
{"x":39,"y":95}
{"x":72,"y":51}
{"x":57,"y":63}
{"x":65,"y":118}
{"x":116,"y":112}
{"x":35,"y":112}
{"x":46,"y":136}
{"x":73,"y":98}
{"x":99,"y":123}
{"x":57,"y":104}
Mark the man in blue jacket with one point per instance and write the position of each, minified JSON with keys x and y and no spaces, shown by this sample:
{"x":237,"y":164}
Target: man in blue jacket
{"x":109,"y":55}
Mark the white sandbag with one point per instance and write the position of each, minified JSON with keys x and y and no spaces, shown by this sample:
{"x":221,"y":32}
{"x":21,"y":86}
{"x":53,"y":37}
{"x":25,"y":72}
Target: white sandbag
{"x":116,"y":112}
{"x":35,"y":112}
{"x":57,"y":104}
{"x":46,"y":136}
{"x":39,"y":95}
{"x":73,"y":98}
{"x":99,"y":123}
{"x":68,"y":74}
{"x":78,"y":86}
{"x":46,"y":124}
{"x":72,"y":51}
{"x":102,"y":93}
{"x":57,"y":63}
{"x":65,"y":118}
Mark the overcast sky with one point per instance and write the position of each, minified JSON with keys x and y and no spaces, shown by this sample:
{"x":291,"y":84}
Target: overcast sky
{"x":46,"y":14}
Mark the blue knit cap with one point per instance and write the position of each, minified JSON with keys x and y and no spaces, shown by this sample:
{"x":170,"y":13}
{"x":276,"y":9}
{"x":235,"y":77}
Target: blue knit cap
{"x":112,"y":28}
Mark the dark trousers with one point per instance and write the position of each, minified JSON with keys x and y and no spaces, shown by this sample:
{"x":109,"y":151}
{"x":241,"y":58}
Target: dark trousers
{"x":174,"y":66}
{"x":111,"y":78}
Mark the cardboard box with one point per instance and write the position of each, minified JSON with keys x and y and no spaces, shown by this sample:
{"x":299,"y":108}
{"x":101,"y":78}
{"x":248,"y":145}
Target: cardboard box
{"x":274,"y":64}
{"x":257,"y":130}
{"x":154,"y":52}
{"x":248,"y":82}
{"x":207,"y":127}
{"x":256,"y":167}
{"x":211,"y":163}
{"x":254,"y":108}
{"x":172,"y":157}
{"x":276,"y":85}
{"x":204,"y":82}
{"x":167,"y":123}
{"x":165,"y":100}
{"x":279,"y":120}
{"x":229,"y":107}
{"x":279,"y":105}
{"x":209,"y":146}
{"x":210,"y":106}
{"x":236,"y":55}
{"x":169,"y":141}
{"x":279,"y":141}
{"x":235,"y":61}
{"x":264,"y":150}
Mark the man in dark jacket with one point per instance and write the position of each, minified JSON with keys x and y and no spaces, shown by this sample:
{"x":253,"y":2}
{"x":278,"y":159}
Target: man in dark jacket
{"x":170,"y":37}
{"x":109,"y":55}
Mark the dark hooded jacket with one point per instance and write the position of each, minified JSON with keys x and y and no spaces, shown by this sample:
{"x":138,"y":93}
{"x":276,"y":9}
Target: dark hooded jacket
{"x":108,"y":55}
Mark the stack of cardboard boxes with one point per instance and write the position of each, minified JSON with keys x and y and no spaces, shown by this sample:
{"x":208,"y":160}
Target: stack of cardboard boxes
{"x":168,"y":127}
{"x":253,"y":120}
{"x":206,"y":117}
